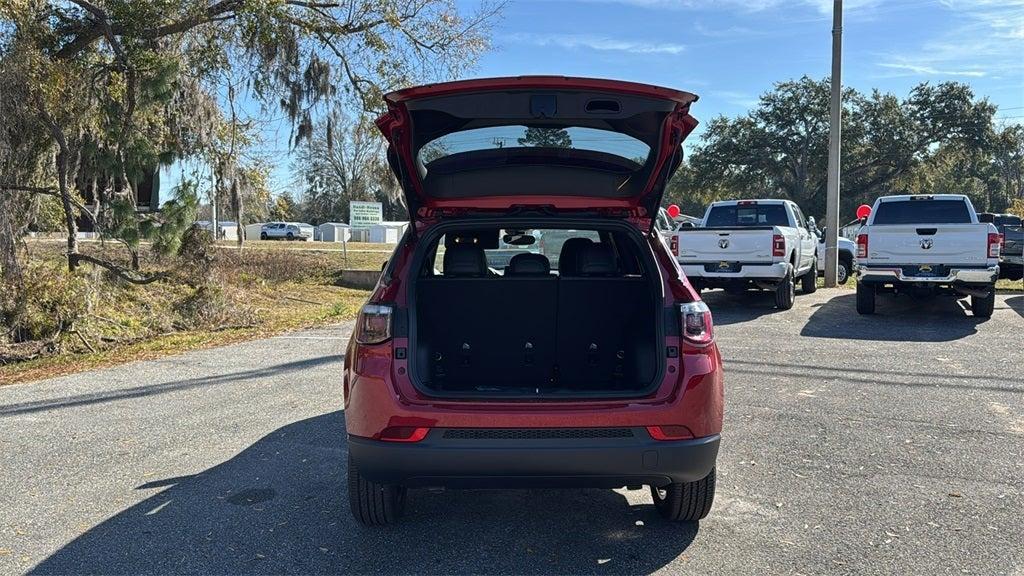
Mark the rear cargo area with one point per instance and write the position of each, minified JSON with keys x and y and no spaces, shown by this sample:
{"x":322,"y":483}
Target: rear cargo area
{"x":586,"y":328}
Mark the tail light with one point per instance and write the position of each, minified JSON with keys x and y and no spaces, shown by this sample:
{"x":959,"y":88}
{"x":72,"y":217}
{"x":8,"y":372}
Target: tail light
{"x":862,"y":245}
{"x":698,"y":327}
{"x":403,"y":434}
{"x":673,"y":243}
{"x":669,"y":432}
{"x":778,"y":245}
{"x":373,"y":325}
{"x":995,"y":244}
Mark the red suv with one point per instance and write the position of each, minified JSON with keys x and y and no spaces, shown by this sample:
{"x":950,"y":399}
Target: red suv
{"x":532,"y":327}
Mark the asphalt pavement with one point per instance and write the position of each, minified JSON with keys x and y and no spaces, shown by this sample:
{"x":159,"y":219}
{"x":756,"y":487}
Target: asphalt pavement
{"x":891,"y":444}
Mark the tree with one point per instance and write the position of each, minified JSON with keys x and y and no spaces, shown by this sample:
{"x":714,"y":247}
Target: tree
{"x":282,"y":208}
{"x":546,"y":138}
{"x":780,"y":148}
{"x":119,"y":86}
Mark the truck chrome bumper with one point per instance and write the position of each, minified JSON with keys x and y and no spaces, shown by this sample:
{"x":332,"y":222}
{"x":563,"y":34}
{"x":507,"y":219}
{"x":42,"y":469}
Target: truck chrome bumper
{"x":775,"y":271}
{"x":955,"y":275}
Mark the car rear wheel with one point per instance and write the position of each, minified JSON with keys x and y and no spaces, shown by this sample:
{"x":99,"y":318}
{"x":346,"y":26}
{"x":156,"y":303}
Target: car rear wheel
{"x":983,"y":307}
{"x":373,"y":504}
{"x":809,"y":281}
{"x":843,"y":272}
{"x":685,"y":501}
{"x":263,"y":235}
{"x":865,"y":298}
{"x":785,"y":292}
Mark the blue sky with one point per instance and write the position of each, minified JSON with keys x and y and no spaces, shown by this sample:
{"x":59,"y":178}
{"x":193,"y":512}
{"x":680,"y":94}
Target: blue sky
{"x":730,"y":51}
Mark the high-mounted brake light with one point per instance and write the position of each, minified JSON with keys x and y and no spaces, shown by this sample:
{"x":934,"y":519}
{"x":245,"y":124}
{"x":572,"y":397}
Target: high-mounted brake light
{"x":778,"y":245}
{"x":862,"y":245}
{"x":698,"y":327}
{"x":995,"y":244}
{"x":673,"y":243}
{"x":373,"y":325}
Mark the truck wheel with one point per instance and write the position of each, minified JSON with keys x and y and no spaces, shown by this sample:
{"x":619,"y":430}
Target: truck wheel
{"x":865,"y":298}
{"x":843,"y":272}
{"x":263,"y":235}
{"x":983,"y":307}
{"x":785,"y":292}
{"x":685,"y":501}
{"x":809,"y":281}
{"x":291,"y":236}
{"x":373,"y":504}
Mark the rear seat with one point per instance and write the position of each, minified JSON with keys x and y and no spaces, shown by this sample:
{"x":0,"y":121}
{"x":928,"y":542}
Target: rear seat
{"x":480,"y":330}
{"x":603,"y":322}
{"x":582,"y":329}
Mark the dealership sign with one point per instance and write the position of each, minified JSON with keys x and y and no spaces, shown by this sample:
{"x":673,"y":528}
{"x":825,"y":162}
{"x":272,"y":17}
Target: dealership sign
{"x":365,"y":214}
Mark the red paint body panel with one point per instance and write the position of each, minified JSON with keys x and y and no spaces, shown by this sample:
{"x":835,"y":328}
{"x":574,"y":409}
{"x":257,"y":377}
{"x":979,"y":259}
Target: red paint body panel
{"x":379,"y":392}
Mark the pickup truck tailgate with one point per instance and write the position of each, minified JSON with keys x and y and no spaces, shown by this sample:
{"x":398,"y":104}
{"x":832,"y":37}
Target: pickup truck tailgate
{"x":924,"y":244}
{"x":711,"y":244}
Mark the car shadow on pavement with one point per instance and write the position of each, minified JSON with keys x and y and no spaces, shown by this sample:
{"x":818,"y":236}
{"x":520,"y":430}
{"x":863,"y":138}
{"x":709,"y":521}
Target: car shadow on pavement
{"x":1016,"y":303}
{"x":280,"y":506}
{"x":735,"y":308}
{"x":896,"y":319}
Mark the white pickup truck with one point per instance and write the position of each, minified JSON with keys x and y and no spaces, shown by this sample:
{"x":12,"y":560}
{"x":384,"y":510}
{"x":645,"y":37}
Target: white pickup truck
{"x":926,"y":245}
{"x":741,"y":243}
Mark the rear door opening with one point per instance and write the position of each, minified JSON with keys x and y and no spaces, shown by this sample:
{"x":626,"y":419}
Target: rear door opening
{"x":507,"y":311}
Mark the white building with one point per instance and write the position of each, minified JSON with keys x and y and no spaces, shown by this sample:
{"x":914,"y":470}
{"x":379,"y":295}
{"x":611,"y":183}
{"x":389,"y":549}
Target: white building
{"x":227,"y":230}
{"x":334,"y":232}
{"x":387,"y":232}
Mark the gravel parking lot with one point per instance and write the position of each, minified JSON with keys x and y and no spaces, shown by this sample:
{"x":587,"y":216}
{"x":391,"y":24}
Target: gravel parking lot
{"x":891,"y":444}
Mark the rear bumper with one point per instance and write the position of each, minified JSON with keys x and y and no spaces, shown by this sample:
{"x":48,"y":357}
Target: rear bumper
{"x":438,"y":460}
{"x":881,"y":275}
{"x":771,"y":272}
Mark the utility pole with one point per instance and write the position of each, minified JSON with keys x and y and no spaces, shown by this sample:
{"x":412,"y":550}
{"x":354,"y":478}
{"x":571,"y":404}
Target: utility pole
{"x":834,"y":133}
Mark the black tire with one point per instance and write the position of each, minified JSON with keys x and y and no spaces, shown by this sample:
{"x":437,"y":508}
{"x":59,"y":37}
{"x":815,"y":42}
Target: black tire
{"x":373,"y":504}
{"x":291,"y":237}
{"x":809,"y":281}
{"x":865,"y":298}
{"x":685,"y":501}
{"x":843,"y":272}
{"x":983,"y":307}
{"x":263,"y":235}
{"x":785,"y":292}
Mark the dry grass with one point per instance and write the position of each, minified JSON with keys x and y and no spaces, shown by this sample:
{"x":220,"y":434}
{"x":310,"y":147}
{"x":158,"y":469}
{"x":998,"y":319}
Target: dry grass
{"x":253,"y":294}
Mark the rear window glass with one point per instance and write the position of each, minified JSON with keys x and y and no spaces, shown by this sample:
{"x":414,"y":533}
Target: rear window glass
{"x":748,"y":215}
{"x":573,"y":137}
{"x":922,"y":212}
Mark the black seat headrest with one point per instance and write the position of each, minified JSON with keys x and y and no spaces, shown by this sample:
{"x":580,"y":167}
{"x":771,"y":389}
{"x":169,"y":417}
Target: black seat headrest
{"x":568,"y":256}
{"x":528,"y":264}
{"x":466,"y":260}
{"x":597,"y":260}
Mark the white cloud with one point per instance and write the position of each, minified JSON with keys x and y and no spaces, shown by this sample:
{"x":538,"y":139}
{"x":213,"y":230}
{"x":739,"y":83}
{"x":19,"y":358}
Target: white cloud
{"x":595,"y":42}
{"x":741,"y":99}
{"x":987,"y":40}
{"x":922,"y":70}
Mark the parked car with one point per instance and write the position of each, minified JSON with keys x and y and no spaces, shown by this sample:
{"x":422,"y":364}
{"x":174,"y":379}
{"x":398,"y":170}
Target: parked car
{"x":847,"y":254}
{"x":286,"y":231}
{"x":926,"y":245}
{"x":457,"y":376}
{"x":742,"y":243}
{"x":1011,"y":255}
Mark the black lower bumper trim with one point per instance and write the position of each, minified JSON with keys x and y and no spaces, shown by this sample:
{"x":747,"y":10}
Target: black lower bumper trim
{"x":488,"y":462}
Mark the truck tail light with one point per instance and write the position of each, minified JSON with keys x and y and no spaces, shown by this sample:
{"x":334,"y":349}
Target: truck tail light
{"x":995,"y":244}
{"x":673,"y":243}
{"x":862,"y":245}
{"x":373,"y":325}
{"x":698,"y":328}
{"x":778,"y":245}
